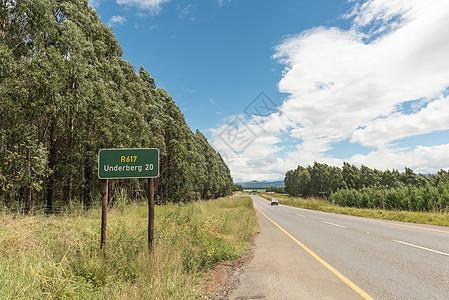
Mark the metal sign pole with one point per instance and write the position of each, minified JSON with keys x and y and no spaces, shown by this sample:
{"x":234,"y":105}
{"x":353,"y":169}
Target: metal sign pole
{"x":104,"y":215}
{"x":150,"y":214}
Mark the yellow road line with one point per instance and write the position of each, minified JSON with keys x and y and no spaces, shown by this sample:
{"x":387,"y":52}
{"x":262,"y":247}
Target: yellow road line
{"x":329,"y":267}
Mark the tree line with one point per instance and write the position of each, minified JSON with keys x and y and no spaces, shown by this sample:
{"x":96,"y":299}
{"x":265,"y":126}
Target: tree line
{"x":425,"y":198}
{"x":276,"y":189}
{"x":370,"y":188}
{"x":66,"y":92}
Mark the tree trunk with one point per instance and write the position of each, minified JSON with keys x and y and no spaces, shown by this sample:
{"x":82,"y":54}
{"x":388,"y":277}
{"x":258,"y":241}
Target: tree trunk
{"x":52,"y":166}
{"x":70,"y":180}
{"x":69,"y":190}
{"x":87,"y":182}
{"x":8,"y":200}
{"x":28,"y":196}
{"x":3,"y":28}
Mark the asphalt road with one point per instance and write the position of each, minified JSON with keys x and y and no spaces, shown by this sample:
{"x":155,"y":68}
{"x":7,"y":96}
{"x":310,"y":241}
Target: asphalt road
{"x":384,"y":259}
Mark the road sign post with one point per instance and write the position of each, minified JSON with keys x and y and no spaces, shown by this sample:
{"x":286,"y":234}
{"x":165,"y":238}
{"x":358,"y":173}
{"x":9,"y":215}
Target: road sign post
{"x":128,"y":163}
{"x":150,"y":214}
{"x":104,"y":216}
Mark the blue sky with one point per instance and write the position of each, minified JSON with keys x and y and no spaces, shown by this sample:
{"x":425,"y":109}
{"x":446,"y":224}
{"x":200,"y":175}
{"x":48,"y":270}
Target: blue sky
{"x":358,"y":81}
{"x":213,"y":57}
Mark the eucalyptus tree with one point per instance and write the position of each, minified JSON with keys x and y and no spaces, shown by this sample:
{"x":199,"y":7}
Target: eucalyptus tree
{"x":66,"y":92}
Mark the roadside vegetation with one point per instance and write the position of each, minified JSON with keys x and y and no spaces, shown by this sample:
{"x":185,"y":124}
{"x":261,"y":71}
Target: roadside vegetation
{"x":276,"y":189}
{"x":431,"y":218}
{"x":418,"y":199}
{"x":321,"y":180}
{"x":58,"y":256}
{"x":65,"y":93}
{"x":388,"y":194}
{"x":255,"y":190}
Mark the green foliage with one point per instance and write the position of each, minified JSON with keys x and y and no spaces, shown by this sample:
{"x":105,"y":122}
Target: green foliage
{"x":66,"y":92}
{"x":237,"y":188}
{"x":276,"y":189}
{"x":421,"y":199}
{"x":370,"y":188}
{"x":321,"y":179}
{"x":318,"y":180}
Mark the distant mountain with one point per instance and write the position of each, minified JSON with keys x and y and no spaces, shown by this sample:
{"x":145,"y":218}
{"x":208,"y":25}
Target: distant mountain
{"x":260,"y":184}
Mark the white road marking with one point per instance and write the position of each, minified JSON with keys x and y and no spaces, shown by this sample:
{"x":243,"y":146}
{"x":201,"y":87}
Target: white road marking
{"x":419,"y":247}
{"x":300,"y":215}
{"x":334,"y":224}
{"x":286,"y":211}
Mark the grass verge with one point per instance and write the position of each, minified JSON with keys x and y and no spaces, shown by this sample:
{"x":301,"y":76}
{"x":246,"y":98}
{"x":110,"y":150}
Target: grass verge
{"x":440,"y":219}
{"x":57,"y":257}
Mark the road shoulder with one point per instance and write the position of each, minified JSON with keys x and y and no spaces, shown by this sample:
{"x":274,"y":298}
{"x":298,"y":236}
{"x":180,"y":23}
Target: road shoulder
{"x":220,"y":281}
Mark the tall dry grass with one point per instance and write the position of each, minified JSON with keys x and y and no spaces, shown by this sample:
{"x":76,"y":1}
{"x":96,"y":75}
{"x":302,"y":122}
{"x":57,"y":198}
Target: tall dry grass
{"x":58,"y":257}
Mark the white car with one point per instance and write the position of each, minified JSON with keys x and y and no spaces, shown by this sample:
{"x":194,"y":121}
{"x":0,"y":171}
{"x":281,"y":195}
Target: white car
{"x":274,"y":201}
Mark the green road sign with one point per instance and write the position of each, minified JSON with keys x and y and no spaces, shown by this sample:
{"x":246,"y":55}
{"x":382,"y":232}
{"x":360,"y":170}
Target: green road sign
{"x":128,"y":163}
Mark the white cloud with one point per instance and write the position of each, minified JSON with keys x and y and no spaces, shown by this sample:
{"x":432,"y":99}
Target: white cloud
{"x":248,"y":148}
{"x":153,"y":6}
{"x":422,"y":159}
{"x":94,"y":4}
{"x":223,"y":2}
{"x":116,"y":20}
{"x":399,"y":125}
{"x":351,"y":84}
{"x":187,"y":12}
